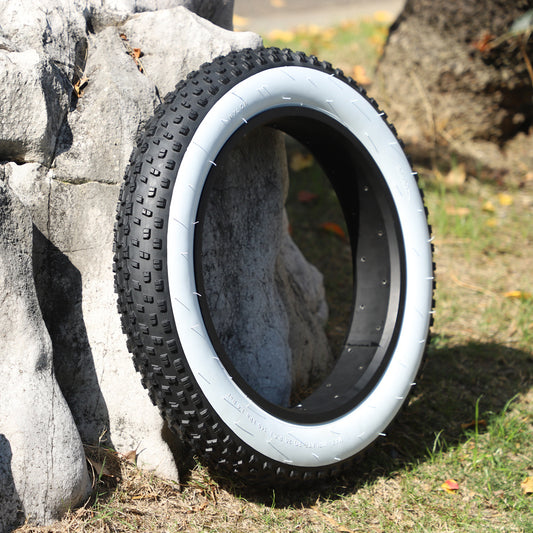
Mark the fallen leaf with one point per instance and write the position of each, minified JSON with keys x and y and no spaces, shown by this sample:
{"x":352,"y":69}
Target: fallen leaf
{"x":136,"y":53}
{"x":100,"y":469}
{"x":300,"y":161}
{"x":518,"y":295}
{"x":305,"y":197}
{"x":456,"y":176}
{"x":80,"y":85}
{"x":239,"y":22}
{"x":328,"y":34}
{"x":285,"y":36}
{"x":527,"y":485}
{"x":384,"y":17}
{"x":450,"y":486}
{"x":488,"y":207}
{"x":473,"y":423}
{"x":491,"y":222}
{"x":331,"y":227}
{"x":505,"y":199}
{"x":484,"y":43}
{"x":131,"y":456}
{"x":313,"y":30}
{"x":359,"y":74}
{"x":459,"y":211}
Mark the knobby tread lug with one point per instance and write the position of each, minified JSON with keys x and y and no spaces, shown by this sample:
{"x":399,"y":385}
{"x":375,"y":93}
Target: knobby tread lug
{"x":142,"y":216}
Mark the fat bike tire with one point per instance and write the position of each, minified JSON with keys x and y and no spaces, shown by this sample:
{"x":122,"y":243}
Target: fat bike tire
{"x":229,"y":425}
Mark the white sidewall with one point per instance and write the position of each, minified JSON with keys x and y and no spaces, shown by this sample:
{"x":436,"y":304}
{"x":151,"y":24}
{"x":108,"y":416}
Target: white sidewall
{"x":322,"y":444}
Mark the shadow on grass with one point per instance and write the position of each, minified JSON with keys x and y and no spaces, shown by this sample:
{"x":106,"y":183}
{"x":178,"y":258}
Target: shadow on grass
{"x":453,"y":380}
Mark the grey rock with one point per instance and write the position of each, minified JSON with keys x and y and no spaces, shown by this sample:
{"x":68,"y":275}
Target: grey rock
{"x":97,"y":137}
{"x":64,"y":159}
{"x":55,"y":29}
{"x":10,"y":504}
{"x":74,"y":284}
{"x":159,"y":41}
{"x":242,"y":238}
{"x":266,"y":301}
{"x":33,"y":103}
{"x":43,"y":461}
{"x":301,"y":286}
{"x":114,"y":12}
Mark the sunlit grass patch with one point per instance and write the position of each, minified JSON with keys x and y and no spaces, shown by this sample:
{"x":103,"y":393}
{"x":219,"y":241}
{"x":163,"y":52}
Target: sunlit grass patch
{"x":352,"y":46}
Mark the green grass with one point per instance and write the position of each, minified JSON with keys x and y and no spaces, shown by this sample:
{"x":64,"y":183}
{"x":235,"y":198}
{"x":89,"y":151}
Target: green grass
{"x":353,"y":46}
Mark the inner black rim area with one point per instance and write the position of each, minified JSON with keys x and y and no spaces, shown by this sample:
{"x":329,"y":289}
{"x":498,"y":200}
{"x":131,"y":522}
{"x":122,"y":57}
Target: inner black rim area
{"x":377,"y":257}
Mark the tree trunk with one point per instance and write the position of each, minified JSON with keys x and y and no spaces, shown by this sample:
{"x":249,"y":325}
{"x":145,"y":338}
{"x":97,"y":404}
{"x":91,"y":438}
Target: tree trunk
{"x":454,"y":84}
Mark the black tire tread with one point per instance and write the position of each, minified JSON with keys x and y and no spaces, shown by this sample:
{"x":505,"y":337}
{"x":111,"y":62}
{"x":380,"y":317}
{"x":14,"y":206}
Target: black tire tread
{"x":140,"y":265}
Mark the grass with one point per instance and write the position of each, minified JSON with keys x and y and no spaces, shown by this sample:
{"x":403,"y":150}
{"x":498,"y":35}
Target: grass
{"x":353,"y":46}
{"x":469,"y":419}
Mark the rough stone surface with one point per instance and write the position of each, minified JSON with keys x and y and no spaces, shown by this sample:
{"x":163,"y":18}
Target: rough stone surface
{"x":55,"y":29}
{"x":270,"y":335}
{"x":114,"y":12}
{"x":158,"y":42}
{"x":42,"y":463}
{"x":33,"y":101}
{"x":65,"y":164}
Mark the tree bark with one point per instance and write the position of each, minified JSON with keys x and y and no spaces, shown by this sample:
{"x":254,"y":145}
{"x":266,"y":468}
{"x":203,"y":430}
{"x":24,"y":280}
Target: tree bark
{"x":451,"y":85}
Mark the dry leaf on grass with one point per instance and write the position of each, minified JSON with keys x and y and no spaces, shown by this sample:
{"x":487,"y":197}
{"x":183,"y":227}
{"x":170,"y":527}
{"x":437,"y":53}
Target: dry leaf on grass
{"x":305,"y":197}
{"x":331,"y":227}
{"x":459,"y":211}
{"x":505,"y":199}
{"x":300,"y":161}
{"x":359,"y":74}
{"x":131,"y":456}
{"x":518,"y":295}
{"x":239,"y":22}
{"x":488,"y":207}
{"x":100,"y":468}
{"x":474,"y":423}
{"x":455,"y":177}
{"x":527,"y":485}
{"x":451,"y":486}
{"x":285,"y":36}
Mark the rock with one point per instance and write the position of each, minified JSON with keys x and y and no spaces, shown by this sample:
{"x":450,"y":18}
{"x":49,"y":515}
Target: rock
{"x":33,"y":102}
{"x":301,"y":286}
{"x":239,"y":264}
{"x":158,"y":42}
{"x":56,"y":30}
{"x":118,"y":91}
{"x":10,"y":503}
{"x":97,"y":136}
{"x":42,"y":460}
{"x":65,"y":163}
{"x":266,"y":302}
{"x":74,"y":284}
{"x":114,"y":12}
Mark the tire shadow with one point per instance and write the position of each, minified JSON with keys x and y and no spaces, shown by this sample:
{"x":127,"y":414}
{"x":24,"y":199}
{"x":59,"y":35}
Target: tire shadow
{"x":454,"y":379}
